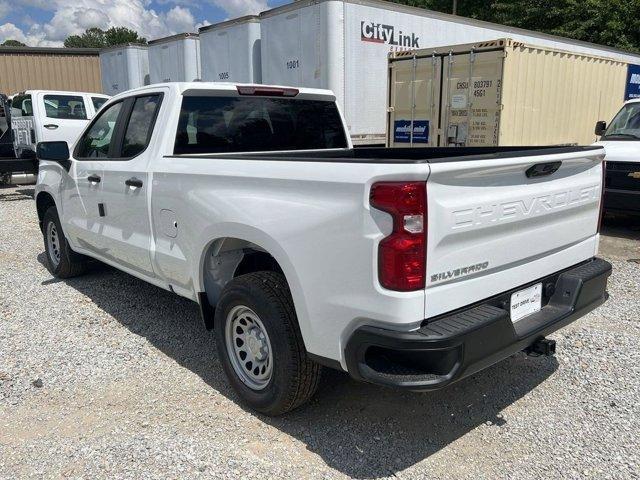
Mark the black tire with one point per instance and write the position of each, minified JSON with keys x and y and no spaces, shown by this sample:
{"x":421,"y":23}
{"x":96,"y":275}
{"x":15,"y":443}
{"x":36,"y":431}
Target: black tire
{"x":294,"y":377}
{"x":70,"y":264}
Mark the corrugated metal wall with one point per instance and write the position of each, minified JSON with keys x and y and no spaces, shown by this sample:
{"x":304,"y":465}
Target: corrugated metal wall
{"x":553,"y":97}
{"x":519,"y":95}
{"x":47,"y":69}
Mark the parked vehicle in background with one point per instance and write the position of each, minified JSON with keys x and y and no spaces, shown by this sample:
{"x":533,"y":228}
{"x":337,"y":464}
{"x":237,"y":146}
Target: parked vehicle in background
{"x":48,"y":115}
{"x":621,"y":141}
{"x":7,"y":155}
{"x":6,"y":144}
{"x":303,"y":251}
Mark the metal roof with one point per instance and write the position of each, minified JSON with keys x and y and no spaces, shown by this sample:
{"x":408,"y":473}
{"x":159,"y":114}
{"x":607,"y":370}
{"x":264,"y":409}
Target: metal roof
{"x":497,"y":44}
{"x":179,"y":36}
{"x":229,"y":23}
{"x":48,"y":51}
{"x":142,"y":46}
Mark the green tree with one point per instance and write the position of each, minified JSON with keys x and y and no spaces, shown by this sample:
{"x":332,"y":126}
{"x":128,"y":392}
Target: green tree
{"x":615,"y":23}
{"x":12,"y":43}
{"x":98,"y":38}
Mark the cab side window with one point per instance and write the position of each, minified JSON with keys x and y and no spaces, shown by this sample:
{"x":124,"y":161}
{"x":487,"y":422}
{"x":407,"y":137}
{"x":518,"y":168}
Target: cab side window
{"x":68,"y":107}
{"x":98,"y":102}
{"x":97,"y":141}
{"x":140,"y":126}
{"x":21,"y":106}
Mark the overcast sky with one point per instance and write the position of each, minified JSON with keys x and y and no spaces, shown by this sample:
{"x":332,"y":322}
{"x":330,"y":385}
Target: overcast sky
{"x":49,"y":22}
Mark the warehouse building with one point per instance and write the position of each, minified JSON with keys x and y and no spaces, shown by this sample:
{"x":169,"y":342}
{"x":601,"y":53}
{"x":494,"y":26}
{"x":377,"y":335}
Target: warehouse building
{"x":24,"y":68}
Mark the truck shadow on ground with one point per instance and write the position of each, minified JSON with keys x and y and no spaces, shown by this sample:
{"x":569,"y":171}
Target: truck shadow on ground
{"x":621,"y":226}
{"x":361,"y":430}
{"x":619,"y":237}
{"x":11,"y":194}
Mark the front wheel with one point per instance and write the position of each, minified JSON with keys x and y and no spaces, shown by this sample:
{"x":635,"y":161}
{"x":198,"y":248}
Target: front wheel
{"x":62,"y":261}
{"x":260,"y":344}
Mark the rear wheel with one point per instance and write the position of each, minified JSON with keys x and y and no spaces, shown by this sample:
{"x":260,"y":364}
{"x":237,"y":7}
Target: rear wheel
{"x":260,"y":345}
{"x":62,"y":261}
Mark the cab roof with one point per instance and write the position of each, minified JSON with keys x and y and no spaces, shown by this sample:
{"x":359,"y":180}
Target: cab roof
{"x":61,"y":92}
{"x":213,"y":88}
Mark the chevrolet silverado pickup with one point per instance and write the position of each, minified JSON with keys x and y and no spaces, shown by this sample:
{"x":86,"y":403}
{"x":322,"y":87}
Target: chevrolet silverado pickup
{"x":621,"y":141}
{"x":408,"y":268}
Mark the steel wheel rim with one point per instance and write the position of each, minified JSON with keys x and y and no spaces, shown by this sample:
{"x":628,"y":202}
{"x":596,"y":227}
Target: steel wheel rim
{"x":53,"y":243}
{"x":248,"y":347}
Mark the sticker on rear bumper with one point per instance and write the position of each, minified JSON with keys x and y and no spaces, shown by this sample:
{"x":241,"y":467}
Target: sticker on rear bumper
{"x":526,"y":302}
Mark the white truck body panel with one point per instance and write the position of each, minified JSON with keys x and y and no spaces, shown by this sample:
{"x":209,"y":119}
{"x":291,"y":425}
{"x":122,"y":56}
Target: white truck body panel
{"x":343,"y":46}
{"x":175,"y":59}
{"x":621,"y":151}
{"x":124,"y":68}
{"x":230,"y":51}
{"x":315,"y":219}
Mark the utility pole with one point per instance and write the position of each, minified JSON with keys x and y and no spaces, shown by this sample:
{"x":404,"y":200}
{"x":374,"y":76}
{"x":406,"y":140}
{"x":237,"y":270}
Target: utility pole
{"x":454,"y":8}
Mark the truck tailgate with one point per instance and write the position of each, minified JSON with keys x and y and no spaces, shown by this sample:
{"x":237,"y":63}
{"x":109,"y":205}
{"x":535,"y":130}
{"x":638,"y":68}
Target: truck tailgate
{"x":493,"y":227}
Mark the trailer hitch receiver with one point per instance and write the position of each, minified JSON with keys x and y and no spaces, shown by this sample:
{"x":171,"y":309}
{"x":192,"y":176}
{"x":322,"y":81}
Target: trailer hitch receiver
{"x":542,"y":346}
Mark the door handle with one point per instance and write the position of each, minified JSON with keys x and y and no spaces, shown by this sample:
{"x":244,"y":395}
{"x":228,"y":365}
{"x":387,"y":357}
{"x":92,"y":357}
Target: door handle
{"x":94,"y":178}
{"x":51,"y":126}
{"x":133,"y":182}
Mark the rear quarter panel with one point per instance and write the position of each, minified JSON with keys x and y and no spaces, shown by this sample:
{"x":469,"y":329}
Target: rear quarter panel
{"x":313,"y":217}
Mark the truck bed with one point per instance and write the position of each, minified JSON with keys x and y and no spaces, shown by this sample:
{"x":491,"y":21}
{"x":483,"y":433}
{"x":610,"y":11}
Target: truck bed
{"x":404,"y":155}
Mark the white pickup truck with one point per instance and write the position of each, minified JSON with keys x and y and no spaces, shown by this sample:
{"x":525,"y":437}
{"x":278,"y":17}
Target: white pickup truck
{"x":621,"y":140}
{"x":46,"y":115}
{"x":408,"y":268}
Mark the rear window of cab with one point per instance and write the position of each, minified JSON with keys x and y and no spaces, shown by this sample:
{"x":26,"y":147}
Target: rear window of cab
{"x":213,"y":124}
{"x":21,"y":106}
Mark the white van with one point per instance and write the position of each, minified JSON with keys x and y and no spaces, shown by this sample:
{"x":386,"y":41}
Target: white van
{"x":48,"y":115}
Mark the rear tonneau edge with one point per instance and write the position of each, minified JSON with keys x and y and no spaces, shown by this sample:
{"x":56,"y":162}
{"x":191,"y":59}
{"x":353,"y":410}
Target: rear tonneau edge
{"x":382,"y":155}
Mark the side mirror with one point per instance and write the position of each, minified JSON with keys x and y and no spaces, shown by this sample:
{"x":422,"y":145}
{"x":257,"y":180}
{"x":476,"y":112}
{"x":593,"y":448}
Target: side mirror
{"x":601,"y":127}
{"x":54,"y":152}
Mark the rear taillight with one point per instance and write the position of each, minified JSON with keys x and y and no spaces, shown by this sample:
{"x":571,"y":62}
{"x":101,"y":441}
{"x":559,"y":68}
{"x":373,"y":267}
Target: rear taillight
{"x":402,"y":255}
{"x":604,"y":179}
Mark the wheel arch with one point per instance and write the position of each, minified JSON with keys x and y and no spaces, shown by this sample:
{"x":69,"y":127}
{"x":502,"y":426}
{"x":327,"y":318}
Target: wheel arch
{"x":226,"y":257}
{"x":44,"y":200}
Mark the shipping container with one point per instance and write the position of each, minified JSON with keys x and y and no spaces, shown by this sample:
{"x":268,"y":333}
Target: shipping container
{"x":124,"y":67}
{"x":231,"y":51}
{"x":24,"y":68}
{"x":501,"y":92}
{"x":343,"y":45}
{"x":175,"y":58}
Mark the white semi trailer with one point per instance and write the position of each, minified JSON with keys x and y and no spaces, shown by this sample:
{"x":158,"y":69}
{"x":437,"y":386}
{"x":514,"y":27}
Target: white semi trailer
{"x":231,"y":51}
{"x":175,"y":58}
{"x":343,"y":45}
{"x":124,"y":67}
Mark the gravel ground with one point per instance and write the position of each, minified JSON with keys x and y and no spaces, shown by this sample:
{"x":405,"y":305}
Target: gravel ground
{"x":106,"y":376}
